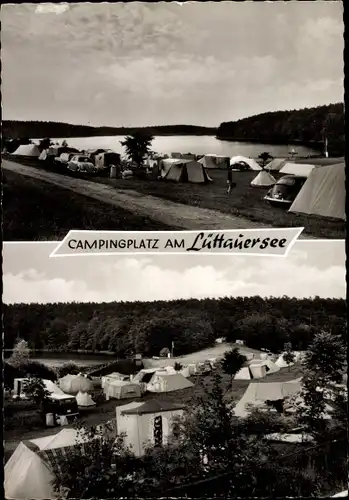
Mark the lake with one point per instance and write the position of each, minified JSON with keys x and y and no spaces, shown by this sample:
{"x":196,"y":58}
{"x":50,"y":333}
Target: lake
{"x":60,"y":358}
{"x":204,"y":144}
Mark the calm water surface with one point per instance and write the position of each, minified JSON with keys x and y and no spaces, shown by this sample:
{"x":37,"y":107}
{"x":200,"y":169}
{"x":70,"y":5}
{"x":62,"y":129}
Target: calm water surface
{"x":204,"y":144}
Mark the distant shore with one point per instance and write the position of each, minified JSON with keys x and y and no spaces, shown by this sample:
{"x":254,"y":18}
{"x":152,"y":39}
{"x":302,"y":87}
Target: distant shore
{"x":316,"y":145}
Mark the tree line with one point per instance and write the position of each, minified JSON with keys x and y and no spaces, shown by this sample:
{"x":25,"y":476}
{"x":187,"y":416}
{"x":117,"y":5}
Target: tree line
{"x":308,"y":126}
{"x":37,"y":129}
{"x":127,"y":328}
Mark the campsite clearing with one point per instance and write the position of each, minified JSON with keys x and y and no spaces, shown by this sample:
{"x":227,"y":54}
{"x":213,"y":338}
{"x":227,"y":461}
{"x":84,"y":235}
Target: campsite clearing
{"x":18,"y":428}
{"x":189,"y":206}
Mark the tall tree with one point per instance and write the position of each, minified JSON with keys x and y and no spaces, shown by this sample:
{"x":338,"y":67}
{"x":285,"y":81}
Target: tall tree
{"x":137,"y":146}
{"x":232,"y":362}
{"x":20,"y":354}
{"x":289,"y":355}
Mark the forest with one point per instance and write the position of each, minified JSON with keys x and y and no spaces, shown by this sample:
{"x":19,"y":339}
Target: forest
{"x":308,"y":126}
{"x":12,"y":129}
{"x":126,"y":328}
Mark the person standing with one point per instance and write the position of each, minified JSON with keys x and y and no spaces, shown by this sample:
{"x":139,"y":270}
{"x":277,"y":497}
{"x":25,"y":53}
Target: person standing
{"x":230,"y":181}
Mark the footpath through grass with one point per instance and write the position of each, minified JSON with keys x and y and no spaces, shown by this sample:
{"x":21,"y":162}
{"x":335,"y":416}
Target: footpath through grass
{"x":37,"y":210}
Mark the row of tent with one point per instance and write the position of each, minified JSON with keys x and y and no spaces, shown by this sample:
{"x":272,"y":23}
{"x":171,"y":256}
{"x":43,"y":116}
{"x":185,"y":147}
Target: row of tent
{"x":260,"y":368}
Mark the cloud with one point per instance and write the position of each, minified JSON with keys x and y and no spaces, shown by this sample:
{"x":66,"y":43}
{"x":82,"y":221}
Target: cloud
{"x":132,"y":279}
{"x":162,"y":63}
{"x":51,"y":8}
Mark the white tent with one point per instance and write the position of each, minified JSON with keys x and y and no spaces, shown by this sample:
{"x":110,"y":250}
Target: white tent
{"x":258,"y":393}
{"x":72,"y":384}
{"x":341,"y":494}
{"x":137,"y":421}
{"x":27,"y":150}
{"x":243,"y":374}
{"x":270,"y":366}
{"x":214,"y":161}
{"x":323,"y":193}
{"x":299,"y":169}
{"x":27,"y":477}
{"x":258,"y":370}
{"x":64,"y":438}
{"x":252,"y":164}
{"x":263,"y":179}
{"x":183,"y":171}
{"x":281,"y":363}
{"x":120,"y":389}
{"x":276,"y":164}
{"x":84,"y":399}
{"x":166,"y":382}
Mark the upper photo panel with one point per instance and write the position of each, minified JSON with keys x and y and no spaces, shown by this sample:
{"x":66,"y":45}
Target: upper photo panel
{"x":168,"y":116}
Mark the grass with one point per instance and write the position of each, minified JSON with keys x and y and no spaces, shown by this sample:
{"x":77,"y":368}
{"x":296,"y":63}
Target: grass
{"x":245,"y":201}
{"x":37,"y":210}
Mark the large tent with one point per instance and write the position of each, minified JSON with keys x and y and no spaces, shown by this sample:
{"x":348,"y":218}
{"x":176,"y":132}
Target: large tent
{"x":263,"y":179}
{"x":139,"y":421}
{"x":215,"y":161}
{"x":249,"y":162}
{"x":258,"y":393}
{"x":168,"y":382}
{"x":270,"y":366}
{"x":323,"y":193}
{"x":72,"y":384}
{"x":276,"y":164}
{"x":27,"y":476}
{"x":181,"y":170}
{"x":299,"y":169}
{"x":27,"y":150}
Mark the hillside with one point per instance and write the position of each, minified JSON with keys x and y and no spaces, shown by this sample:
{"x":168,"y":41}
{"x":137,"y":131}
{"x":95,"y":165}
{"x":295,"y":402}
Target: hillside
{"x":306,"y":126}
{"x":37,"y":130}
{"x":147,"y":327}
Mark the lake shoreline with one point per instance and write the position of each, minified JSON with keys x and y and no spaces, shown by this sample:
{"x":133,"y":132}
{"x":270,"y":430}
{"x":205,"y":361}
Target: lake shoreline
{"x":317,"y":145}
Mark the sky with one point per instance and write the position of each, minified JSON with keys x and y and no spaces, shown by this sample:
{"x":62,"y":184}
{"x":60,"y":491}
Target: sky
{"x":312,"y":268}
{"x":137,"y":64}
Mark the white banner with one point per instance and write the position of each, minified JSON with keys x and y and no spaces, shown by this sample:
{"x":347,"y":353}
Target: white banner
{"x":269,"y":242}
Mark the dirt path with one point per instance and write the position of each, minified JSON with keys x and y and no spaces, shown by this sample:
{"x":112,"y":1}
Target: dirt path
{"x":173,"y":214}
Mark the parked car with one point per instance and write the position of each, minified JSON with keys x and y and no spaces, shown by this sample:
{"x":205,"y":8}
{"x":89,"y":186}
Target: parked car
{"x":285,"y":190}
{"x":83,"y":164}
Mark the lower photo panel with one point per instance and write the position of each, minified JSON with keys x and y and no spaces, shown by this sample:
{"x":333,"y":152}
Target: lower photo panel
{"x":174,"y":376}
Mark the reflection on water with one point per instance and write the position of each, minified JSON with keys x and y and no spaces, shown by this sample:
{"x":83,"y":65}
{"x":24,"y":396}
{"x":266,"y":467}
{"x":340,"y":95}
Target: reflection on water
{"x":204,"y":144}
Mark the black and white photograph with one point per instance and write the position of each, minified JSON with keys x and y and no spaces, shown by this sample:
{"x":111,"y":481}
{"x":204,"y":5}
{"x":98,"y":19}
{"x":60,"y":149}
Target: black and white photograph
{"x":175,"y":377}
{"x":140,"y":116}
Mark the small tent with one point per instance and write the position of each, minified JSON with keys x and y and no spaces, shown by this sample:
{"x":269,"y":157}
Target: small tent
{"x":243,"y":374}
{"x":215,"y":161}
{"x":249,"y":162}
{"x":27,"y":476}
{"x":263,"y":179}
{"x":258,"y":393}
{"x":281,"y":363}
{"x":168,"y":382}
{"x":270,"y":366}
{"x":146,"y":423}
{"x":323,"y":193}
{"x":276,"y":164}
{"x":258,"y":370}
{"x":120,"y":389}
{"x":27,"y":150}
{"x":72,"y":384}
{"x":298,"y":169}
{"x":84,"y":399}
{"x":179,"y":170}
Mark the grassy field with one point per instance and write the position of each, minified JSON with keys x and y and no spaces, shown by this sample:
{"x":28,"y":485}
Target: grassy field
{"x":245,"y":201}
{"x":36,"y":210}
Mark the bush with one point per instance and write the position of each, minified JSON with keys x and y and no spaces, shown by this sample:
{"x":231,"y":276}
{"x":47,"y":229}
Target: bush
{"x":38,"y":370}
{"x":68,"y":369}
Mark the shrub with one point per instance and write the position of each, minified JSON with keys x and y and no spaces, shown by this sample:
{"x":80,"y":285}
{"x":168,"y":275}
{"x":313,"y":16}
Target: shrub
{"x":38,"y":370}
{"x":68,"y":369}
